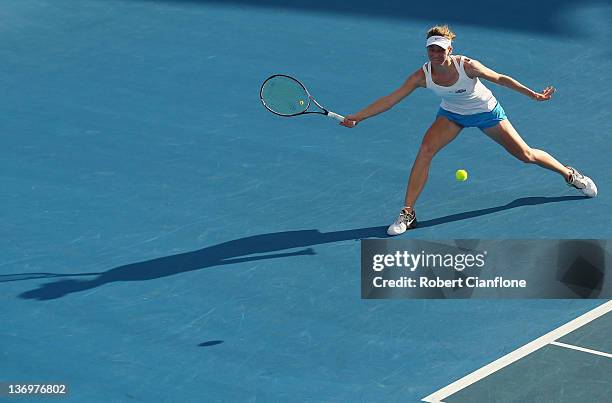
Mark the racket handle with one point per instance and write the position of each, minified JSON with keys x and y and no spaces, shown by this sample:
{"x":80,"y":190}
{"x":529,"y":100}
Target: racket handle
{"x":339,"y":118}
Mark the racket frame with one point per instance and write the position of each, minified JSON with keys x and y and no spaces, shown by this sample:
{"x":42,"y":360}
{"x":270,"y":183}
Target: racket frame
{"x":325,"y":111}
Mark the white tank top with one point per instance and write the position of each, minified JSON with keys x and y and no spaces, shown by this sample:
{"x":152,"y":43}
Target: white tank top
{"x":467,"y":96}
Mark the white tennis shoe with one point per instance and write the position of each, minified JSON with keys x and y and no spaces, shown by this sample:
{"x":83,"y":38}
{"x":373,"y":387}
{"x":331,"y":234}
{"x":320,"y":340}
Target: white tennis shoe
{"x":405,"y":221}
{"x":582,"y":183}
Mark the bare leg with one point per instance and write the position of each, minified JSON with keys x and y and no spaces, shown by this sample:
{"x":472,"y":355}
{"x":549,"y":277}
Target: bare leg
{"x":441,"y":132}
{"x":505,"y":134}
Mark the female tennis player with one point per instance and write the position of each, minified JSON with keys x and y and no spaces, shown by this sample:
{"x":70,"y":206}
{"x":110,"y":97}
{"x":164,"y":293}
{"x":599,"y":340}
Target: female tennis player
{"x":466,"y":102}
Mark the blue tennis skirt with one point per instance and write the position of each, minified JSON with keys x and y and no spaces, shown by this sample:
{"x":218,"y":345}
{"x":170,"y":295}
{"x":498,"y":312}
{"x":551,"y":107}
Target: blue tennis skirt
{"x":482,"y":120}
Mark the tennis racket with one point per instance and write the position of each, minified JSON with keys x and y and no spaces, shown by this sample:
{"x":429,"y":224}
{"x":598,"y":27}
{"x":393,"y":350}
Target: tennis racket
{"x":285,"y":96}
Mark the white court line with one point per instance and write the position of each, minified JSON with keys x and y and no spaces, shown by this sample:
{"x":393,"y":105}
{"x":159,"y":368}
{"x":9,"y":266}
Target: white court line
{"x":517,"y":354}
{"x":585,"y":350}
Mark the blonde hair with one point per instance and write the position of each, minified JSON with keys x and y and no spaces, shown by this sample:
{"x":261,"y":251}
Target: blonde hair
{"x":441,"y":30}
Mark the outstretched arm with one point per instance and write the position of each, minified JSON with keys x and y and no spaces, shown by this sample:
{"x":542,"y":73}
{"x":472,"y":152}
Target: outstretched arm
{"x":415,"y":80}
{"x":474,"y":68}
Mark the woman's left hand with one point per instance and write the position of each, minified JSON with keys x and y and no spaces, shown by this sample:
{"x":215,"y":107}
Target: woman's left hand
{"x":545,"y":95}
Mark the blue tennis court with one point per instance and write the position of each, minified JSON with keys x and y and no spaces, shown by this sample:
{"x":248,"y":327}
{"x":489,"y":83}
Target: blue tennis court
{"x":167,"y":239}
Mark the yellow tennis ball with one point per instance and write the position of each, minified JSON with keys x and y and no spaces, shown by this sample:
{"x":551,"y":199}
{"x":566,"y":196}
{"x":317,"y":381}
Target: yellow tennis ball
{"x":301,"y":102}
{"x":461,"y":175}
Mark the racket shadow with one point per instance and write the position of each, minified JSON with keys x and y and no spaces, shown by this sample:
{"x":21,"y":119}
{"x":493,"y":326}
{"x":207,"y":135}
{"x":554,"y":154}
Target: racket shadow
{"x":258,"y":247}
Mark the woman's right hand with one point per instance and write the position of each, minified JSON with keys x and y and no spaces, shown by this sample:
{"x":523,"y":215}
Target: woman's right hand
{"x":350,"y":121}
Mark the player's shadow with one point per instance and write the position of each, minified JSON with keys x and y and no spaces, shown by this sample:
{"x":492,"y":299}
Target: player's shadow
{"x":257,"y":247}
{"x":525,"y":201}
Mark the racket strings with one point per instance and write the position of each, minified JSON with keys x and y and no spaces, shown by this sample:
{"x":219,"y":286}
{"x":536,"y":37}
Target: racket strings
{"x":284,"y":96}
